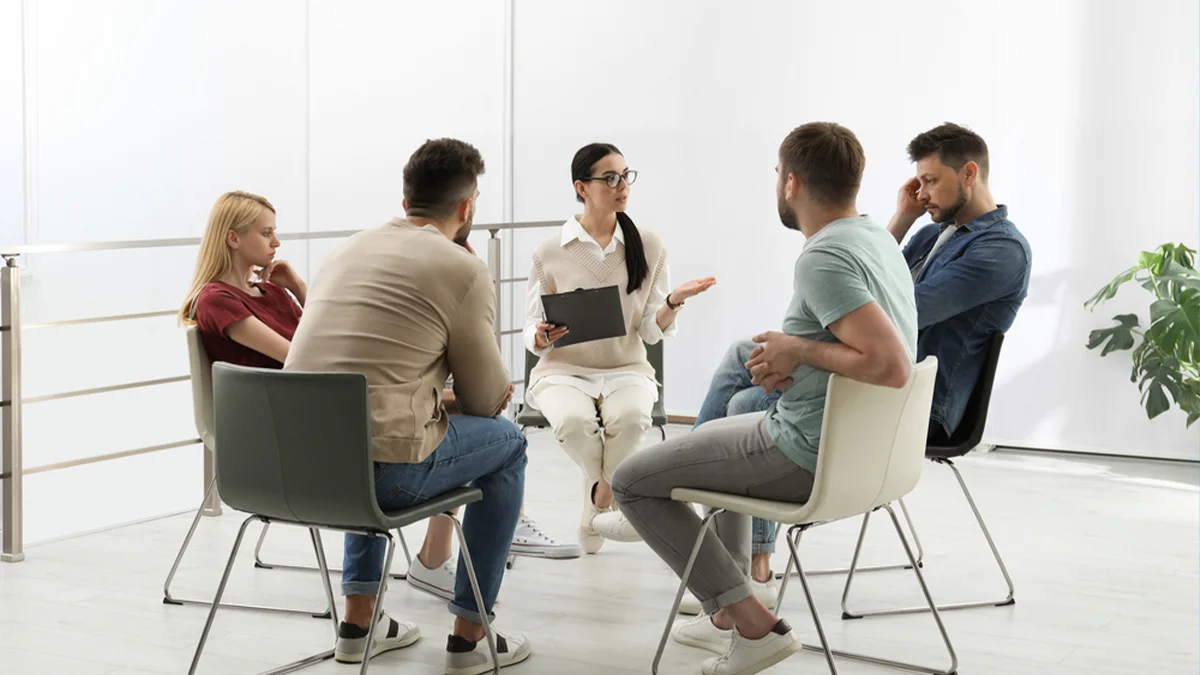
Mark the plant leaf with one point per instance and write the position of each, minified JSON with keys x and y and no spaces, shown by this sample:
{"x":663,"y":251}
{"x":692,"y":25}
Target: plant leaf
{"x":1151,"y":260}
{"x":1110,"y":291}
{"x":1116,"y":338}
{"x":1156,"y":400}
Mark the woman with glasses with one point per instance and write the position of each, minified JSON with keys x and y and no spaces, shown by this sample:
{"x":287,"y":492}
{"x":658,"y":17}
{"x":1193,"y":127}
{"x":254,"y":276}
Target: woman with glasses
{"x":598,"y":395}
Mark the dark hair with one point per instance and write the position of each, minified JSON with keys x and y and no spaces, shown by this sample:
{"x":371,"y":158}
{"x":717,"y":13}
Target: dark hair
{"x":954,"y":144}
{"x":828,"y":158}
{"x":635,"y":253}
{"x":439,"y":175}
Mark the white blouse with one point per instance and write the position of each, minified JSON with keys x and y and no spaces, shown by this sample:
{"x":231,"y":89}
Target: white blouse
{"x":595,"y":386}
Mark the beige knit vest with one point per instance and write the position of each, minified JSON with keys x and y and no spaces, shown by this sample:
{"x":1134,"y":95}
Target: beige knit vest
{"x":561,"y":269}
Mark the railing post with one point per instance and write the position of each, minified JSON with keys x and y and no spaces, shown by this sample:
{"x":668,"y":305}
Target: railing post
{"x":12,"y":548}
{"x":493,"y":260}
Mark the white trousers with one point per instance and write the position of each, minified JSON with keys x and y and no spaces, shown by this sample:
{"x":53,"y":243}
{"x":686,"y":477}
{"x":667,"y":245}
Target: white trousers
{"x":598,"y":434}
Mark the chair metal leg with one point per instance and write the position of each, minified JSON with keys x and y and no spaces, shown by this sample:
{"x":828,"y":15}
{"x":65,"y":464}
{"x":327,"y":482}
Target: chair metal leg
{"x":168,"y":599}
{"x":663,"y":430}
{"x":830,"y":653}
{"x":793,"y":540}
{"x":876,"y":568}
{"x":1009,"y":600}
{"x":483,"y":613}
{"x":383,"y":582}
{"x":319,"y":548}
{"x":258,"y":561}
{"x":683,"y":579}
{"x":216,"y":603}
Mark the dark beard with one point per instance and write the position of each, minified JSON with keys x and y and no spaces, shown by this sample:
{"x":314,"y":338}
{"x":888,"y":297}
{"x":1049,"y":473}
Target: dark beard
{"x":465,"y":232}
{"x":949,"y":214}
{"x":787,"y":216}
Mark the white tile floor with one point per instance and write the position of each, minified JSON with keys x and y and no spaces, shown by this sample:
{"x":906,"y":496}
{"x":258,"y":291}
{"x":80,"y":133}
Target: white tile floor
{"x":1105,"y":555}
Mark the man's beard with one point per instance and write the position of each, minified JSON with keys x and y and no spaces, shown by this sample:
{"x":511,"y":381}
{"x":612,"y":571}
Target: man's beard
{"x":948,"y":214}
{"x":787,"y":215}
{"x":465,"y":231}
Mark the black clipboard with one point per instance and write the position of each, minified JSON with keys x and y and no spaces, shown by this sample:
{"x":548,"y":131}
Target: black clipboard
{"x":589,"y":314}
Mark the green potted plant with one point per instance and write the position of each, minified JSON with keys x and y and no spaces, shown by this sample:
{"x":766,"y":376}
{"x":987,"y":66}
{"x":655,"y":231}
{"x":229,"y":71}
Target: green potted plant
{"x":1165,"y":352}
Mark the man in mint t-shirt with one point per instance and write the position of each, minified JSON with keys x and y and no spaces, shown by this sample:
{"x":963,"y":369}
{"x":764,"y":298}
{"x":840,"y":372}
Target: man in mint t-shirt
{"x":852,"y":313}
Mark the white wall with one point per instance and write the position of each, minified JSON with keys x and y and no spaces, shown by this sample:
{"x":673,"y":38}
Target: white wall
{"x":142,"y":112}
{"x":12,"y":159}
{"x":1090,"y":112}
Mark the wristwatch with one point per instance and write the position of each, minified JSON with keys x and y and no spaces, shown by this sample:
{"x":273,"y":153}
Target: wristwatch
{"x":672,"y":306}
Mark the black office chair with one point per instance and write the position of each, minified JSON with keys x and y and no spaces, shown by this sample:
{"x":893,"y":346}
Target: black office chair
{"x":528,"y":416}
{"x":965,"y":439}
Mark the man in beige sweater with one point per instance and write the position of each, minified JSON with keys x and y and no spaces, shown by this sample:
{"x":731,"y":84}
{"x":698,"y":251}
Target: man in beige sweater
{"x":409,"y":306}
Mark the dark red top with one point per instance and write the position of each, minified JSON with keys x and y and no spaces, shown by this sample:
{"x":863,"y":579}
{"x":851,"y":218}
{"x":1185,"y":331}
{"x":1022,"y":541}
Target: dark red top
{"x":221,"y":305}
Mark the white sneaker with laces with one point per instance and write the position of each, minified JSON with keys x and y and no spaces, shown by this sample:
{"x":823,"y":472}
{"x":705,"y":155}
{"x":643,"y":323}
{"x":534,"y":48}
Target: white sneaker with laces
{"x":701,"y":632}
{"x":746,"y":656}
{"x":438,"y":582}
{"x":530,"y":540}
{"x":615,"y":526}
{"x":767,"y":593}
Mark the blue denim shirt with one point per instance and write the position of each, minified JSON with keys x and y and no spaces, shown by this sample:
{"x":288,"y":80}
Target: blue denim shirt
{"x":971,"y":287}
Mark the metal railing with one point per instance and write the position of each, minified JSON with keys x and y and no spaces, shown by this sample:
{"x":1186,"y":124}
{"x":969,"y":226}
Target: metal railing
{"x":12,"y":469}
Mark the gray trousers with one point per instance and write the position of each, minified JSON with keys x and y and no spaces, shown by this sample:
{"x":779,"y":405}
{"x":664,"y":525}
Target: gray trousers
{"x":733,"y":455}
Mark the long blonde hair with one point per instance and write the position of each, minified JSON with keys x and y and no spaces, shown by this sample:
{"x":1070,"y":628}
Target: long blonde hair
{"x":236,"y":211}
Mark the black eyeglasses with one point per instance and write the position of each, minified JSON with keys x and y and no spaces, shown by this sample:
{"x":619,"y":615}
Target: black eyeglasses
{"x":613,"y":180}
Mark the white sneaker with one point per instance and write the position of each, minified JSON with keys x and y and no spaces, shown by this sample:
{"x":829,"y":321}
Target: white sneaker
{"x":389,"y":634}
{"x":464,"y":657}
{"x":700,"y":632}
{"x":746,"y":656}
{"x":437,"y":582}
{"x":615,"y":526}
{"x":530,"y":540}
{"x":766,"y":592}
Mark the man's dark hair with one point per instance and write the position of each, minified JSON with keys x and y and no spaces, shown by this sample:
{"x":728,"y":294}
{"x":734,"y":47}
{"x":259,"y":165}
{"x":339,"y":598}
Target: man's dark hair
{"x":439,"y":175}
{"x":828,"y":158}
{"x":954,"y":144}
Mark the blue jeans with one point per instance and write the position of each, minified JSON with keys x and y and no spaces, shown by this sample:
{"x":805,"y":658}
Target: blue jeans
{"x":487,"y":453}
{"x":731,"y":393}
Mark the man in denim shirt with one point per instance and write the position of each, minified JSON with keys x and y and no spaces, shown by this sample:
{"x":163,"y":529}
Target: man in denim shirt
{"x":971,"y":273}
{"x":970,"y":268}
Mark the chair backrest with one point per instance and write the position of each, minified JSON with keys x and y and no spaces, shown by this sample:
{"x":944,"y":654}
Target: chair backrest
{"x":295,"y":446}
{"x":202,"y":388}
{"x":872,"y":443}
{"x":531,"y":360}
{"x":654,"y":354}
{"x":969,"y":433}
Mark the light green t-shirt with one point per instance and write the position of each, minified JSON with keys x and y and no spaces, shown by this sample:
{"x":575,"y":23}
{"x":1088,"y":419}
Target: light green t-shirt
{"x":850,"y":263}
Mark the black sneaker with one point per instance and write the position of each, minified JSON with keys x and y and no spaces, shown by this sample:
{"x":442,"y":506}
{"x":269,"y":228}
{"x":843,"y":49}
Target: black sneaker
{"x":389,"y":634}
{"x":464,"y":657}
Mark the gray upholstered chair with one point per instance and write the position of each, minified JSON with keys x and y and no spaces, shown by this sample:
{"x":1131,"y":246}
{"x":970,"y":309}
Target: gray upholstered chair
{"x":202,"y":410}
{"x":296,"y":448}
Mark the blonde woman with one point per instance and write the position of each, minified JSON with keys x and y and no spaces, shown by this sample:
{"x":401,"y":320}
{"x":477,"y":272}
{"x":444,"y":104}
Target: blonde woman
{"x":247,"y":305}
{"x":607,"y":383}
